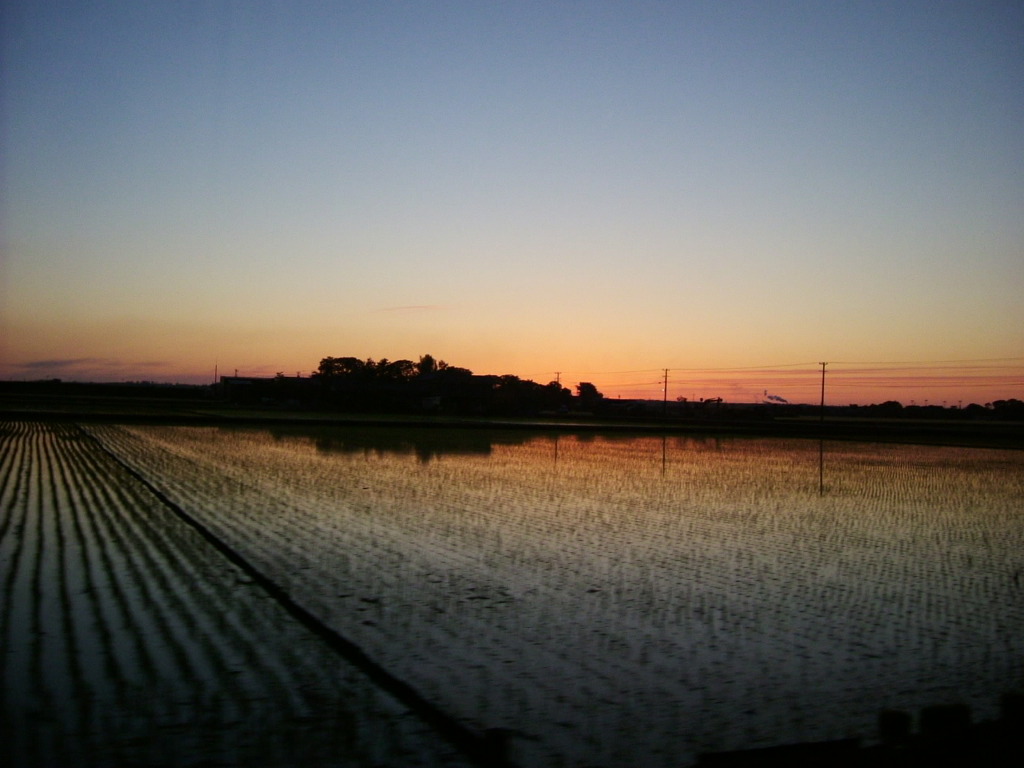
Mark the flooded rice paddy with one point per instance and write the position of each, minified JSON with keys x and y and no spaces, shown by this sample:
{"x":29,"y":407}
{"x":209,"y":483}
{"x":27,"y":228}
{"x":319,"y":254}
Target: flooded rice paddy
{"x":609,"y":600}
{"x":125,"y":640}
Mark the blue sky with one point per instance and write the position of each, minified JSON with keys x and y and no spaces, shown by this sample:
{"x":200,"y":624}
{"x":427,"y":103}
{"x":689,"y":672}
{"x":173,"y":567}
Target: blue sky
{"x":514,"y":187}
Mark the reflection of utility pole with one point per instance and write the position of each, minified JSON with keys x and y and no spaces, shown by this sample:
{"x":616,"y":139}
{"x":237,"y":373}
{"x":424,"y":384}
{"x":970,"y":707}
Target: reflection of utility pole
{"x":664,"y":396}
{"x":821,"y":416}
{"x":821,"y":467}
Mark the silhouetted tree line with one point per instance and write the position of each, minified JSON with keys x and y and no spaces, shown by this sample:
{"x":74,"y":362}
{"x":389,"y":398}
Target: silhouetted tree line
{"x":431,"y":385}
{"x":997,"y":410}
{"x":348,"y":383}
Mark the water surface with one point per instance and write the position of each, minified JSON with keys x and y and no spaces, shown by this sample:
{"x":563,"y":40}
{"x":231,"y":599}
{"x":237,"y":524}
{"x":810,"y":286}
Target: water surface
{"x":616,"y":597}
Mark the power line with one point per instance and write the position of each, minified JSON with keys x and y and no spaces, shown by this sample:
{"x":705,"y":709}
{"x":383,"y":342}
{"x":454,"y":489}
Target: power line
{"x":777,"y":367}
{"x":632,"y":384}
{"x":929,"y":362}
{"x":903,"y":376}
{"x":615,"y":373}
{"x":744,"y":368}
{"x":922,"y":384}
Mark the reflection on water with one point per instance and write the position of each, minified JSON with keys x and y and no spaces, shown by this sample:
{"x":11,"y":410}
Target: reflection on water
{"x":427,"y":443}
{"x":126,"y":640}
{"x":424,"y":443}
{"x":570,"y":587}
{"x":821,"y":467}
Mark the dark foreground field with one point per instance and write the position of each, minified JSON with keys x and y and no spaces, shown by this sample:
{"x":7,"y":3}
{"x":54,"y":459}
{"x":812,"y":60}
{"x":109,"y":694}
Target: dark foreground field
{"x":126,"y":640}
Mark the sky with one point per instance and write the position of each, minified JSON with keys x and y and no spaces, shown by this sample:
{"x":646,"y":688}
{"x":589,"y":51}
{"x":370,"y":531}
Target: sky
{"x":581,"y":191}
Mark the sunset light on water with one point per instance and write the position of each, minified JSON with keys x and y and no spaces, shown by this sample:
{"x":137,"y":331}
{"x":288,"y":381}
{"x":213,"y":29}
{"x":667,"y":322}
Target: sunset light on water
{"x":603,"y":599}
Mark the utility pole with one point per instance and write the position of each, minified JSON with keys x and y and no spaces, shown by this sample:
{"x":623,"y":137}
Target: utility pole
{"x":821,"y":416}
{"x":558,"y":378}
{"x":664,"y":395}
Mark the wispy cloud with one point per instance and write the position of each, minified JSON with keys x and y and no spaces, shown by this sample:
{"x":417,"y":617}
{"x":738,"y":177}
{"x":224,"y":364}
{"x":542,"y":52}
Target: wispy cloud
{"x":59,"y":363}
{"x":90,"y":367}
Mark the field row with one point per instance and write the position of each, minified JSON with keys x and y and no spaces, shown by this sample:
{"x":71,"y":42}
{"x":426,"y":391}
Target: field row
{"x":567,"y":589}
{"x":125,"y":640}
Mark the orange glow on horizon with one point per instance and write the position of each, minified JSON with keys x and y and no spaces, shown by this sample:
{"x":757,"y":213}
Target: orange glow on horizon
{"x":172,"y":358}
{"x":950,"y":384}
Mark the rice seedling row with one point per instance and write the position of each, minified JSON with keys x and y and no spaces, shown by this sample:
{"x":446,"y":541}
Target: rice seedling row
{"x":125,"y":640}
{"x":564,"y":590}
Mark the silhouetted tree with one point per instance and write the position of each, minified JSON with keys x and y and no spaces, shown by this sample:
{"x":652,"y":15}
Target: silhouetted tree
{"x":332,"y":367}
{"x":888,"y":408}
{"x":588,"y":394}
{"x":975,"y":411}
{"x":395,"y":370}
{"x":1008,"y":409}
{"x":452,"y":371}
{"x":426,"y":366}
{"x":556,"y":396}
{"x":514,"y":395}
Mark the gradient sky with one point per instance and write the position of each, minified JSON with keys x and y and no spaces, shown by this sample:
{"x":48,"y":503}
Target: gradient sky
{"x":599,"y":189}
